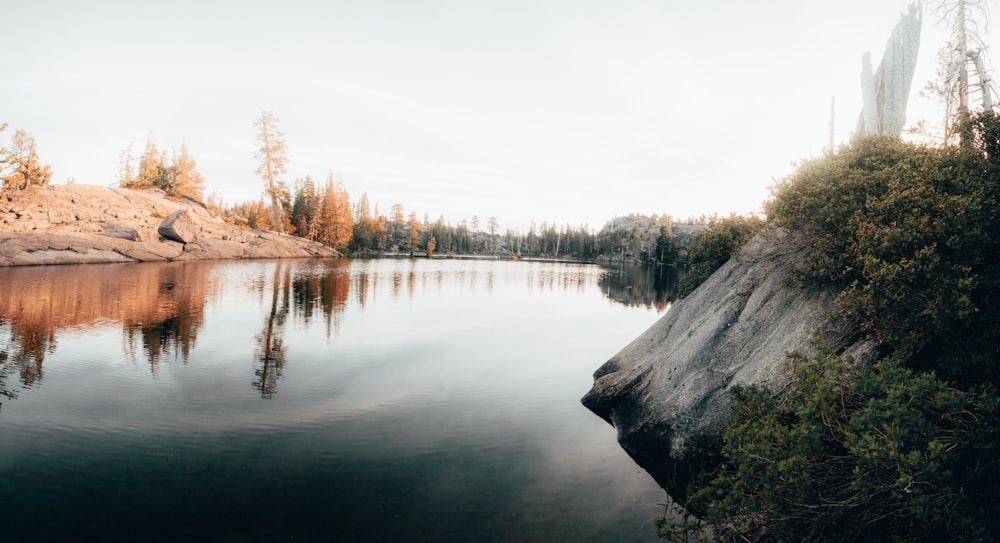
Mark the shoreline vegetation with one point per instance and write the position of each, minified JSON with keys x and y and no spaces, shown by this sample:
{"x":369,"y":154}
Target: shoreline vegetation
{"x":900,"y":445}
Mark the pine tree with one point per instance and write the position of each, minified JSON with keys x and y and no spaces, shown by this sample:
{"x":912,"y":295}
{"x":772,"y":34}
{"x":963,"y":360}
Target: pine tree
{"x":186,"y":179}
{"x":336,"y":225}
{"x":414,"y":225}
{"x":306,"y":208}
{"x":25,"y":168}
{"x":149,"y":166}
{"x":271,"y":154}
{"x":431,"y":245}
{"x":4,"y":152}
{"x":344,"y":229}
{"x":126,"y":175}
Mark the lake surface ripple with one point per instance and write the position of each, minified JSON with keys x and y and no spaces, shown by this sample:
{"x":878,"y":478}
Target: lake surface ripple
{"x":346,"y":400}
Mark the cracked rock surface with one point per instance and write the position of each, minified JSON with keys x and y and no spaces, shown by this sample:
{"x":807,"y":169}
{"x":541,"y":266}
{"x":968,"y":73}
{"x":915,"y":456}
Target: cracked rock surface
{"x":81,"y":224}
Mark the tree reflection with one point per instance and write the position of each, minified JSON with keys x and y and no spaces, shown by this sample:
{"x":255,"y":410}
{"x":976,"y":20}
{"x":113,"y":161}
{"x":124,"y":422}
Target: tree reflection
{"x":170,"y":325}
{"x":646,"y":285}
{"x":27,"y":349}
{"x":159,"y":306}
{"x":325,"y":290}
{"x":23,"y":352}
{"x":271,"y":349}
{"x":6,"y":367}
{"x":335,"y":287}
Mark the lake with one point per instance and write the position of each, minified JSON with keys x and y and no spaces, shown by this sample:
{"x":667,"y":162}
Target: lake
{"x":317,"y":400}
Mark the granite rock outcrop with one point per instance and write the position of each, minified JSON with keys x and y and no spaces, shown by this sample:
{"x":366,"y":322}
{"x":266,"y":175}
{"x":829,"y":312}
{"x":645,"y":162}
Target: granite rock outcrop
{"x":668,"y":392}
{"x":83,"y":224}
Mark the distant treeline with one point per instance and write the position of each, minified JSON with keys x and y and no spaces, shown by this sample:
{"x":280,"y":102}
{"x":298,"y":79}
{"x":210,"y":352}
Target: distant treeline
{"x":325,"y":213}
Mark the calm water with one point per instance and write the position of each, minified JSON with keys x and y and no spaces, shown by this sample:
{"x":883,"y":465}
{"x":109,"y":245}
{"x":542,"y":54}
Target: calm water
{"x":385,"y":400}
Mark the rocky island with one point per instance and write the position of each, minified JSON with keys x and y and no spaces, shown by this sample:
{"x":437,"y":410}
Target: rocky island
{"x":85,"y":224}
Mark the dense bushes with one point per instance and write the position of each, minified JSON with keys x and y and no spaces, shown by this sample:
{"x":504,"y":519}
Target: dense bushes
{"x":715,"y":245}
{"x":900,"y":227}
{"x":857,"y":454}
{"x":904,"y":450}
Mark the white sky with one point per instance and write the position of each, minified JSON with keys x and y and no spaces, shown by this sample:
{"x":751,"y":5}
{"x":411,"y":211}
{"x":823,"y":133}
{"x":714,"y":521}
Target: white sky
{"x":569,"y":112}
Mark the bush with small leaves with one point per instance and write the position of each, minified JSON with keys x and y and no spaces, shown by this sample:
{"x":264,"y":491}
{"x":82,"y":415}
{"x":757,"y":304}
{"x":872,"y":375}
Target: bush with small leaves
{"x":905,"y":449}
{"x":854,"y":453}
{"x":715,"y":245}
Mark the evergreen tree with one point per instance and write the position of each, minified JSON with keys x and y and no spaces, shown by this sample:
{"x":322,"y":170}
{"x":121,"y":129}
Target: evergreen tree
{"x":364,"y":224}
{"x":271,"y":154}
{"x":149,"y":165}
{"x":22,"y":163}
{"x":306,"y":208}
{"x":177,"y":175}
{"x":414,"y":226}
{"x":397,"y":226}
{"x":431,"y":245}
{"x":336,"y":224}
{"x":126,"y":174}
{"x":186,"y":180}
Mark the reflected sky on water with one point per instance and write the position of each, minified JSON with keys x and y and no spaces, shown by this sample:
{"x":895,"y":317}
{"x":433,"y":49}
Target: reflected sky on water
{"x":348,"y":400}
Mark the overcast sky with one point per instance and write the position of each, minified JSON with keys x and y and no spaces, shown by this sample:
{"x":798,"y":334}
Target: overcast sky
{"x":561,"y":111}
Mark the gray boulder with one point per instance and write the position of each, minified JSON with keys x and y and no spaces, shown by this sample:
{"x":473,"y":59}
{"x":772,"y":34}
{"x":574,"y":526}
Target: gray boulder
{"x":178,"y":226}
{"x":668,"y":392}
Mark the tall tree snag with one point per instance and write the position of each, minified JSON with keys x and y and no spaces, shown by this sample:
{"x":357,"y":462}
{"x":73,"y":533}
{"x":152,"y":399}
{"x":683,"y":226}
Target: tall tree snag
{"x":271,"y":154}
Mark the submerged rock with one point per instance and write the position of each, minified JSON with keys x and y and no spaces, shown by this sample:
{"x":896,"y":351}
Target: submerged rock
{"x":80,"y":224}
{"x":667,"y":392}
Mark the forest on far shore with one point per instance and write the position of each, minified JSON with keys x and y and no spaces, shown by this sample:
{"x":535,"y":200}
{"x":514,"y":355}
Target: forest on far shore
{"x":324,"y":212}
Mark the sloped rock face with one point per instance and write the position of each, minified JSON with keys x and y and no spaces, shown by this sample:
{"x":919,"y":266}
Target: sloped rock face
{"x":667,"y":392}
{"x":80,"y":224}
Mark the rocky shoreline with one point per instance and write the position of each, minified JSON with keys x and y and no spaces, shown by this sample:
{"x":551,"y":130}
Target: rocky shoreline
{"x":85,"y":224}
{"x":668,"y":392}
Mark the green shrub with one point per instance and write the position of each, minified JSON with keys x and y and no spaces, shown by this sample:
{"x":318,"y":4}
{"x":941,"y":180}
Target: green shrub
{"x":904,"y":450}
{"x":910,"y":234}
{"x":857,"y":454}
{"x":715,"y":245}
{"x":899,"y":227}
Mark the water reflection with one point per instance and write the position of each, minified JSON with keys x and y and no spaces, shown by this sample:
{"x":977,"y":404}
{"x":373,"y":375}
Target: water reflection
{"x":160,"y":308}
{"x":440,"y":394}
{"x":6,"y":368}
{"x":164,"y":308}
{"x":644,"y":285}
{"x":271,"y":350}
